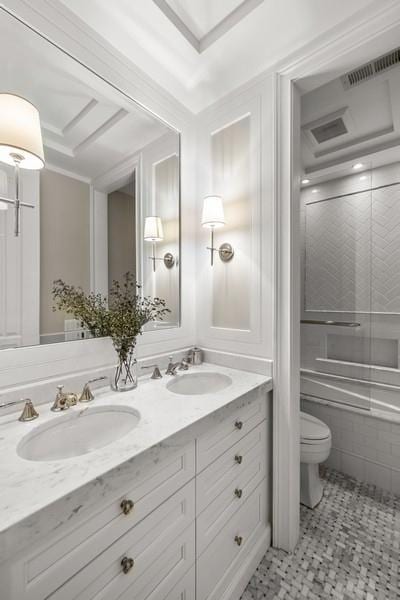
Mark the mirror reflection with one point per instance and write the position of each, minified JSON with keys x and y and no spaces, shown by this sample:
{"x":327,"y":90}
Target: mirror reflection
{"x":89,"y":190}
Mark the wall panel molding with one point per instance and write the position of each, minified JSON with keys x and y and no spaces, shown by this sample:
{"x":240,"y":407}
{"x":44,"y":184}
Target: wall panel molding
{"x":241,"y":290}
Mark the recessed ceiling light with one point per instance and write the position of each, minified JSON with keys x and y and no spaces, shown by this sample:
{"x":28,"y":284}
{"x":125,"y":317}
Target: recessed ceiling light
{"x":363,"y":177}
{"x":358,"y":166}
{"x":305,"y":181}
{"x":315,"y":191}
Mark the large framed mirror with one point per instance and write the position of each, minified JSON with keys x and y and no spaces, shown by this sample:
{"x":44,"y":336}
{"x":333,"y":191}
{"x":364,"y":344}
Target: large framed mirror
{"x":107,"y":201}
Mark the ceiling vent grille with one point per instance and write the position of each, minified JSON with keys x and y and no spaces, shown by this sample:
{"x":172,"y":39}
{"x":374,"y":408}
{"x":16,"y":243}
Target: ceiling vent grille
{"x":371,"y":69}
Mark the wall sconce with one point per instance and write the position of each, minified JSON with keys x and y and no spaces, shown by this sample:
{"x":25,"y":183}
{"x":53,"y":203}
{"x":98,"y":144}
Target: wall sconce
{"x":20,"y":144}
{"x":153,"y":232}
{"x":212,"y":218}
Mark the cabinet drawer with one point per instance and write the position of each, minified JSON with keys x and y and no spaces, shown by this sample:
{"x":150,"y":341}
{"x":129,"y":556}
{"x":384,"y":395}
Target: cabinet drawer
{"x":229,"y":467}
{"x":55,"y":562}
{"x":229,"y":484}
{"x":156,"y":553}
{"x":228,"y":431}
{"x":224,"y":552}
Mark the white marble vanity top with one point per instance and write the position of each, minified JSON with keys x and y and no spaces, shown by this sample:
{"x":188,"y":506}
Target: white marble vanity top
{"x":28,"y":487}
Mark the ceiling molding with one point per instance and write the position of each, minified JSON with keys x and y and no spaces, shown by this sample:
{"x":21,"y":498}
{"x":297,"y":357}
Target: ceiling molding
{"x":120,"y":114}
{"x":57,"y":146}
{"x":85,"y":110}
{"x":201,"y":44}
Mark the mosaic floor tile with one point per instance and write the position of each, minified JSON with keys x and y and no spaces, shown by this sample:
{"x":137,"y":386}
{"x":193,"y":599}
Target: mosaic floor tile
{"x":349,"y":548}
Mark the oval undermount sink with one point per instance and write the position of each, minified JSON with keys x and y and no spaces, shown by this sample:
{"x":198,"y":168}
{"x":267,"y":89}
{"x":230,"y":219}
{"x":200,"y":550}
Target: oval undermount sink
{"x":199,"y":383}
{"x":78,"y":432}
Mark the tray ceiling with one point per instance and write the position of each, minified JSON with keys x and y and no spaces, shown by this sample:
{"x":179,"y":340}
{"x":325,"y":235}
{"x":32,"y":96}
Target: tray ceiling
{"x":200,"y":50}
{"x":204,"y":23}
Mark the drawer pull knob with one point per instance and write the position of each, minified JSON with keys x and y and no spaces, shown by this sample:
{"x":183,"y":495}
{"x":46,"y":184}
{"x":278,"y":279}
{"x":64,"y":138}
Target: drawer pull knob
{"x":238,"y":459}
{"x":127,"y":564}
{"x":238,"y":492}
{"x":238,"y":424}
{"x":127,"y":506}
{"x":238,"y":540}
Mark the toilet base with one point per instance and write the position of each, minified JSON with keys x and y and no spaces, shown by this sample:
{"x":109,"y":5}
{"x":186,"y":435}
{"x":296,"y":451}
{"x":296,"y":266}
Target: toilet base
{"x":311,"y":488}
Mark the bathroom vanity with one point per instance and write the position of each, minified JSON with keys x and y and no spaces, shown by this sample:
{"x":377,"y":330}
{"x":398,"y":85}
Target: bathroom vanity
{"x":177,"y":508}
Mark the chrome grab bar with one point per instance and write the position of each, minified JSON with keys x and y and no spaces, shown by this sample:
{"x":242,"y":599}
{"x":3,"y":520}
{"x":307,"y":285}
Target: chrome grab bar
{"x":334,"y":323}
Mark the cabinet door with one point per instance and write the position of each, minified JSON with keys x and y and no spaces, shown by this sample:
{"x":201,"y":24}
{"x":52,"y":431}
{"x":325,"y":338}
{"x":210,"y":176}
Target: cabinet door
{"x":58,"y":559}
{"x":184,"y":590}
{"x":223,"y":557}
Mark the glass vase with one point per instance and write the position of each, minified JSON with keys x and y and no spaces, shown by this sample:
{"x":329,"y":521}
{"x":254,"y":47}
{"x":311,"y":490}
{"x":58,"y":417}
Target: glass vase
{"x":125,"y":374}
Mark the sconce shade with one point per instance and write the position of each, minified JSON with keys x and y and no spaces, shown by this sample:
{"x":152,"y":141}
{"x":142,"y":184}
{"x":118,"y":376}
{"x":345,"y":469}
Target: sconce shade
{"x":153,"y":229}
{"x":20,"y":132}
{"x":213,"y":212}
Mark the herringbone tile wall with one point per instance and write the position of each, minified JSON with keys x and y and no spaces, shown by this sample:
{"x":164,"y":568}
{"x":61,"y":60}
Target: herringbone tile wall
{"x":352,"y":252}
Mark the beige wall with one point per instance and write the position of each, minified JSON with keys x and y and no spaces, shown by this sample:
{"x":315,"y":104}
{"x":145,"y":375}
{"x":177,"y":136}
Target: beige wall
{"x":64,"y":241}
{"x":230,"y":152}
{"x":121,"y":234}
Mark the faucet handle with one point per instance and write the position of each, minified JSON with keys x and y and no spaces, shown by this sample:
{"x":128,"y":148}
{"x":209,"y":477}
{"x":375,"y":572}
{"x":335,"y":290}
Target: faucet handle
{"x":29,"y":412}
{"x":87,"y":394}
{"x":184,"y":366}
{"x":156,"y":373}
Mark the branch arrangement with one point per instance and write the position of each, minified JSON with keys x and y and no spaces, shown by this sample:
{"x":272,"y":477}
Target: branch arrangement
{"x":121,"y":316}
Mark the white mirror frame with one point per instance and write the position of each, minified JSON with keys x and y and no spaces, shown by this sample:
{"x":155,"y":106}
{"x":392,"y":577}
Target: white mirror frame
{"x":22,"y":367}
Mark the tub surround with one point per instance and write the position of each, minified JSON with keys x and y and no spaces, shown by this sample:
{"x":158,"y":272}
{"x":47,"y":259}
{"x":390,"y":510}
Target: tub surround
{"x":41,"y":497}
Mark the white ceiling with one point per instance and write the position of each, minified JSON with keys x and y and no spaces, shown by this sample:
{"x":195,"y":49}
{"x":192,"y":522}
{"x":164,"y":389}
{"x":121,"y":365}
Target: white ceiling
{"x":88,"y":127}
{"x":371,"y":112}
{"x":243,"y":48}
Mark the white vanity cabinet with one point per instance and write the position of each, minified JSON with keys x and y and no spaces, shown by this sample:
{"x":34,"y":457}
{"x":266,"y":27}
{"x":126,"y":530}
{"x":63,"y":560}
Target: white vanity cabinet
{"x":192,"y":526}
{"x":232,"y":491}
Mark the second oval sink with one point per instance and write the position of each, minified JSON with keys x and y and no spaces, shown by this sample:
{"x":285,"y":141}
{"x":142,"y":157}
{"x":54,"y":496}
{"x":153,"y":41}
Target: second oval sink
{"x":78,"y":432}
{"x":199,"y":383}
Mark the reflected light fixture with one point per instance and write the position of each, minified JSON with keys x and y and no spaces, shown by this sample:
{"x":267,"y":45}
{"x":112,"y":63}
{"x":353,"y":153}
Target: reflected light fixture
{"x":3,"y":189}
{"x":153,"y":232}
{"x":358,"y":166}
{"x":21,"y":144}
{"x":212,"y":218}
{"x":305,"y":181}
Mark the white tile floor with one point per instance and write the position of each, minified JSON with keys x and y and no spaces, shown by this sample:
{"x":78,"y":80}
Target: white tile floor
{"x":349,"y":549}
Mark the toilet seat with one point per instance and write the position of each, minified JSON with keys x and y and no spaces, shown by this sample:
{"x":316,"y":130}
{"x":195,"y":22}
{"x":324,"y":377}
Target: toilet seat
{"x":315,"y":438}
{"x":312,"y":430}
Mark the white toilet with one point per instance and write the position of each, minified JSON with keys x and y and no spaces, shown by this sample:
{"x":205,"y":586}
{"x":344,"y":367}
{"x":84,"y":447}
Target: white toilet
{"x":315,"y":446}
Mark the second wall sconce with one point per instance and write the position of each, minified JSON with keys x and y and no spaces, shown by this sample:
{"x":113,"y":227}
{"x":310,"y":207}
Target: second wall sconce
{"x":212,"y":218}
{"x":153,"y":232}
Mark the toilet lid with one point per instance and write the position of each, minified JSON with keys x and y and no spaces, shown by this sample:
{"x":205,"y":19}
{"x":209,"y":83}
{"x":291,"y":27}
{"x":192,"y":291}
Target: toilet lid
{"x":312,"y":428}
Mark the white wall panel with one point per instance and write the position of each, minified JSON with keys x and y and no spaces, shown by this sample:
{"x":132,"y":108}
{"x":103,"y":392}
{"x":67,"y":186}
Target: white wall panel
{"x":235,"y":299}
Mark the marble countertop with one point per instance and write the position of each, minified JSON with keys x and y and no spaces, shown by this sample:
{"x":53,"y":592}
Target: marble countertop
{"x":30,"y":489}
